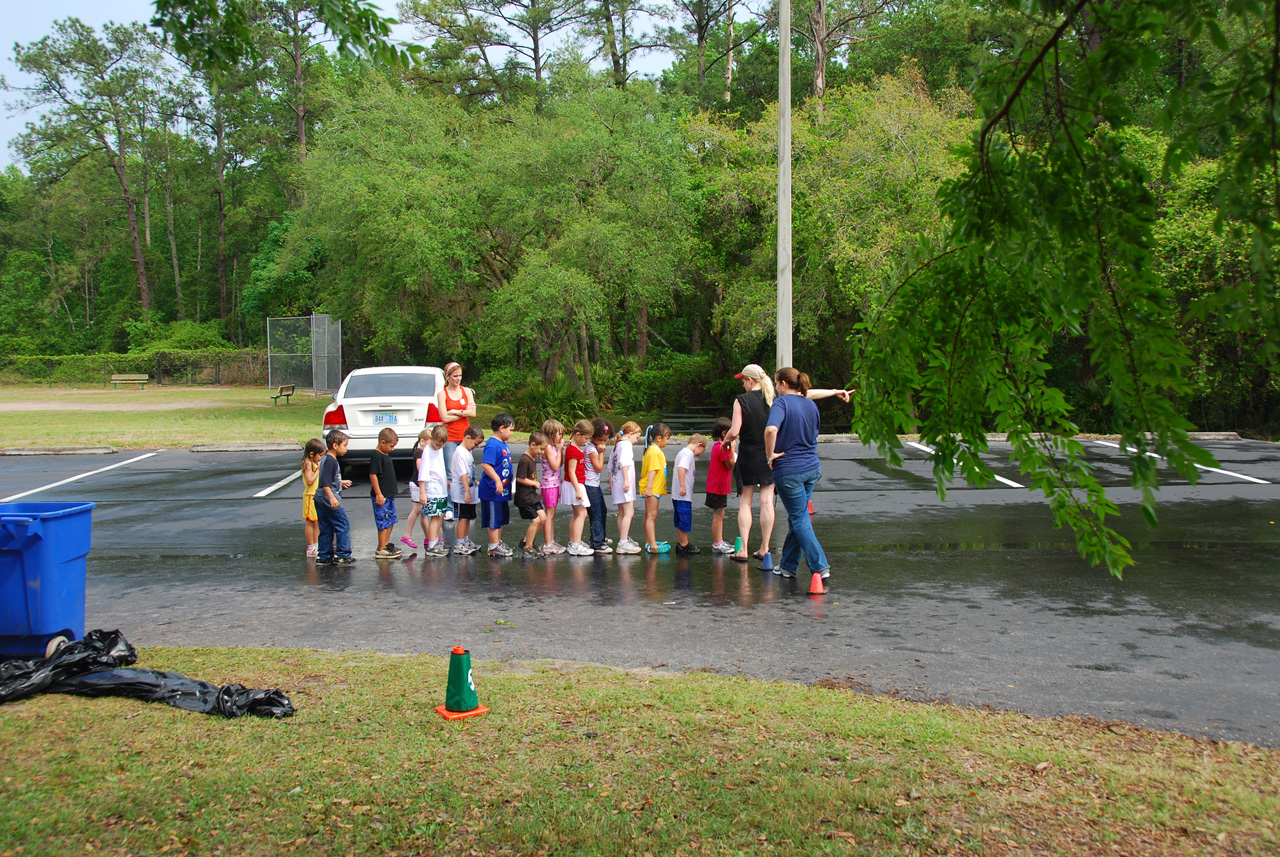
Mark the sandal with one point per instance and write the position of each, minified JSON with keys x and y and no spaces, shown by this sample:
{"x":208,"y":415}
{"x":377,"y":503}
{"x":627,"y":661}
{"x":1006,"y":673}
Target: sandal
{"x":737,"y":558}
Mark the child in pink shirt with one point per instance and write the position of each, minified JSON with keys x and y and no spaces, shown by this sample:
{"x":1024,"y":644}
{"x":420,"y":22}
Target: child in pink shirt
{"x":719,"y":474}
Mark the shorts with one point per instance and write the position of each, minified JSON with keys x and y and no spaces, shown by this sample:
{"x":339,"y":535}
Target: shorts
{"x":309,"y":507}
{"x":435,"y":507}
{"x":551,"y":496}
{"x":384,"y":516}
{"x":530,"y":513}
{"x":683,"y":515}
{"x":413,"y":492}
{"x":494,"y":514}
{"x":717,"y":501}
{"x":464,"y":511}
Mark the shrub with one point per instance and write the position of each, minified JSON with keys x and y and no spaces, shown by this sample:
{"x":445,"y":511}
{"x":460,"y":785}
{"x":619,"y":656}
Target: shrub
{"x":500,"y":385}
{"x":536,"y":403}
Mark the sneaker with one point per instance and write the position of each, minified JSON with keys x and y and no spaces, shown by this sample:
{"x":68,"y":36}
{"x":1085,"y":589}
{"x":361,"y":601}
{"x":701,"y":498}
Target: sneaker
{"x":313,"y":550}
{"x":530,"y":553}
{"x":408,"y":542}
{"x":660,"y":547}
{"x":344,"y":560}
{"x":609,"y":542}
{"x":448,"y":514}
{"x":826,"y":572}
{"x":603,"y":550}
{"x":579,"y":549}
{"x":553,"y":549}
{"x":784,"y":572}
{"x":322,"y":561}
{"x":438,"y":549}
{"x":628,"y":547}
{"x":688,"y":550}
{"x":384,"y":553}
{"x":559,"y":548}
{"x":722,"y":547}
{"x":500,"y":549}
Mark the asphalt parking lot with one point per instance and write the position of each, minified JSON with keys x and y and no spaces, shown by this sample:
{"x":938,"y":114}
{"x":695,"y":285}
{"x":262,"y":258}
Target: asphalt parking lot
{"x":977,"y":600}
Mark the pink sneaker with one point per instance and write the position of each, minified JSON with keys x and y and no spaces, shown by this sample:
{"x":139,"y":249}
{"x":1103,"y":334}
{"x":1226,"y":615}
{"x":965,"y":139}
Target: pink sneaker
{"x":553,"y":548}
{"x":408,"y":541}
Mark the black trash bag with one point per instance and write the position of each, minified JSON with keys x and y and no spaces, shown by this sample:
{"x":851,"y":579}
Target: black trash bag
{"x":98,"y":650}
{"x":95,"y":666}
{"x":233,"y":700}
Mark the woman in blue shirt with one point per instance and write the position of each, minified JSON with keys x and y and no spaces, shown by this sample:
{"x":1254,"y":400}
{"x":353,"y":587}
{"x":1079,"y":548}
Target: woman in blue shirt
{"x":791,"y":444}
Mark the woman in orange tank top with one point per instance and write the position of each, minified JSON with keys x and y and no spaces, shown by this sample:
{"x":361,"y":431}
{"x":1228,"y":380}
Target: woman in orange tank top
{"x":457,"y":404}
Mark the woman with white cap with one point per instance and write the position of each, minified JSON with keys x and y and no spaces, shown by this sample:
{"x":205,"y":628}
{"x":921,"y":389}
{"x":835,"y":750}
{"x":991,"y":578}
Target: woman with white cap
{"x":752,"y":472}
{"x":457,"y":404}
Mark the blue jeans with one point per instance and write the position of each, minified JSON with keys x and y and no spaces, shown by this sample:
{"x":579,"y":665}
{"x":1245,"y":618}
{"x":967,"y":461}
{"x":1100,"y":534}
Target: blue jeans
{"x":449,"y":447}
{"x":795,"y":490}
{"x":596,"y":514}
{"x":334,"y":526}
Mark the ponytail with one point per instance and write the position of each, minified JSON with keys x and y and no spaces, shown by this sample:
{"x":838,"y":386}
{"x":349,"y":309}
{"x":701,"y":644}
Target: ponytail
{"x":795,"y":379}
{"x":766,"y":387}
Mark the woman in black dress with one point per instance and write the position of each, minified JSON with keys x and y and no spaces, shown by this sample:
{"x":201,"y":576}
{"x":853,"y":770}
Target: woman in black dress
{"x":751,"y":472}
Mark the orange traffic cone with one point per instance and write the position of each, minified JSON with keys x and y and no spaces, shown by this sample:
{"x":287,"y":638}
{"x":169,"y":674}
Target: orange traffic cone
{"x":460,"y":698}
{"x":817,"y":586}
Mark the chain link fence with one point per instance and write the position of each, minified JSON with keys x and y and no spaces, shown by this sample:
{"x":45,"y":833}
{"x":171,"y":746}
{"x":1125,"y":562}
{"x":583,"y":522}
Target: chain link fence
{"x":305,"y":351}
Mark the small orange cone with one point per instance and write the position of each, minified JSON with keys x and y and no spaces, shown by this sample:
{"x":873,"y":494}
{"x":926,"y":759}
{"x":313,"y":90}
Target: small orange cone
{"x":460,"y":698}
{"x":816,"y":586}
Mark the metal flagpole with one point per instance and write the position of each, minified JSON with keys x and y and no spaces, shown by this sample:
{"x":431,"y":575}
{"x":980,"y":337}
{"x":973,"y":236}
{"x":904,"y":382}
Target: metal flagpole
{"x":784,"y":185}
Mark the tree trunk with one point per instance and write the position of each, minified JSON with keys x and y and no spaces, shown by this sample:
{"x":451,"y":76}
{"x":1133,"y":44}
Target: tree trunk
{"x":728,"y":62}
{"x":642,"y":334}
{"x":299,"y":92}
{"x":146,"y":176}
{"x":551,"y":368}
{"x":818,"y":25}
{"x":131,"y":212}
{"x":584,"y":345}
{"x":173,"y":248}
{"x":611,"y":44}
{"x":220,"y":193}
{"x":571,"y":372}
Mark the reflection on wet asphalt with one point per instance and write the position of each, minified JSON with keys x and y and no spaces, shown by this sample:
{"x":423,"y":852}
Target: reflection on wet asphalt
{"x":978,"y":600}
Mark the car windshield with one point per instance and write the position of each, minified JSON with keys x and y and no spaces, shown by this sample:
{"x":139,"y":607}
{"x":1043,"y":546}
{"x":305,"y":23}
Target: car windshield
{"x":391,"y":384}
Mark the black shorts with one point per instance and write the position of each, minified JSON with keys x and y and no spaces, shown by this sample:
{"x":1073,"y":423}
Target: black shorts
{"x":464,"y":511}
{"x":530,"y":513}
{"x":717,"y":501}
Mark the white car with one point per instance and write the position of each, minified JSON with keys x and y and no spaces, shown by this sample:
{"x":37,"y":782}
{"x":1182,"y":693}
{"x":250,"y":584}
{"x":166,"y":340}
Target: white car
{"x":397,"y":397}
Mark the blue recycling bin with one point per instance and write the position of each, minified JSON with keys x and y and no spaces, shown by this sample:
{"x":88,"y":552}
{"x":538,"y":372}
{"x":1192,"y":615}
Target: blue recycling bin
{"x":43,"y":547}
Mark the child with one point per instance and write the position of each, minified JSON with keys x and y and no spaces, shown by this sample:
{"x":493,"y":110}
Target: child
{"x":335,"y":528}
{"x":311,"y":457}
{"x":653,"y":476}
{"x":575,"y":474}
{"x":549,"y":475}
{"x":433,"y":486}
{"x":596,"y":512}
{"x":464,"y":503}
{"x":383,"y":490}
{"x":529,"y":493}
{"x":622,"y":483}
{"x":719,"y":476}
{"x":495,"y":485}
{"x":415,"y":515}
{"x":682,"y":500}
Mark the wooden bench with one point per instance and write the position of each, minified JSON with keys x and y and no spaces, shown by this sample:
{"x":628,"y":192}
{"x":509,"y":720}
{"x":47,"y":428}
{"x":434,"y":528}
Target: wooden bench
{"x":286,"y":390}
{"x":689,"y":423}
{"x":140,"y":380}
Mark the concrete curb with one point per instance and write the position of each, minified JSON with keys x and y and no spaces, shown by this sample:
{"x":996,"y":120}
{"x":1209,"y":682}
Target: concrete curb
{"x":59,"y":450}
{"x":246,"y":447}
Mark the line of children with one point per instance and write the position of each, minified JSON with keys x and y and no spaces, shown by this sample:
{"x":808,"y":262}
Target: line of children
{"x":548,"y":467}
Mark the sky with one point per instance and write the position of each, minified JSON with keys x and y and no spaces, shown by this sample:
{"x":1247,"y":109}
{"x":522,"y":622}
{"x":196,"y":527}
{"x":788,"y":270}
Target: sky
{"x":26,"y":22}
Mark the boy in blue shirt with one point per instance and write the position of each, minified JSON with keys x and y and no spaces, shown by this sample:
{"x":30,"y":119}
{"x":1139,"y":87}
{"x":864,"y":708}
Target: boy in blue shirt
{"x":334,"y":526}
{"x":495,"y":484}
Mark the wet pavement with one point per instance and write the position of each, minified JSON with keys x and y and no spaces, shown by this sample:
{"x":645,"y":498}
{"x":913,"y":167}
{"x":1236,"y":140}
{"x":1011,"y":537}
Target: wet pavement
{"x":977,"y":600}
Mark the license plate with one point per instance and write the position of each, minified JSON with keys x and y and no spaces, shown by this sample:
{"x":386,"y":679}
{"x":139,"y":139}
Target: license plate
{"x":382,"y":418}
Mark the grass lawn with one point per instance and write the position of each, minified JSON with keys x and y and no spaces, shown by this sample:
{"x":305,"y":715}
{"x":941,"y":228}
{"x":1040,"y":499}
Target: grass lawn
{"x":591,"y":760}
{"x":161,"y":417}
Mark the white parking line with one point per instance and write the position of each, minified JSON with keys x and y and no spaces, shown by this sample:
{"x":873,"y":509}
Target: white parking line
{"x":998,"y":477}
{"x":76,"y":478}
{"x":1198,"y":466}
{"x":283,"y":482}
